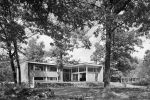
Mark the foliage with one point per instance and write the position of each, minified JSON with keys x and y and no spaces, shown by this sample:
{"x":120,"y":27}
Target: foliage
{"x":122,"y":47}
{"x":145,"y":67}
{"x":76,"y":14}
{"x":11,"y":32}
{"x":141,"y":83}
{"x":34,"y":51}
{"x":146,"y":61}
{"x":5,"y":70}
{"x":98,"y":54}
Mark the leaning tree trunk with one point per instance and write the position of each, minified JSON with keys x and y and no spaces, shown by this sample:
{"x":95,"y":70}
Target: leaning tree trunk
{"x":17,"y":60}
{"x":12,"y":63}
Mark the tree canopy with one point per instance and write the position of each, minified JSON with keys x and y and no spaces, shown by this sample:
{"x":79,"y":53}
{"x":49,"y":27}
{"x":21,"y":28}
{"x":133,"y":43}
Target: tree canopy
{"x":35,"y":51}
{"x":112,"y":14}
{"x":73,"y":15}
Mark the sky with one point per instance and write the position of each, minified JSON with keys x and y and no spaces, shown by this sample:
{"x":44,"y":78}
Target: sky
{"x":141,"y":51}
{"x":84,"y":54}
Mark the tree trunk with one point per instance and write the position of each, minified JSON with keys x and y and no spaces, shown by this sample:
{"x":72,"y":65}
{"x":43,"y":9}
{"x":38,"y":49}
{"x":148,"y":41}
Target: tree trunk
{"x":17,"y":60}
{"x":108,"y":25}
{"x":12,"y":63}
{"x":107,"y":59}
{"x":61,"y":66}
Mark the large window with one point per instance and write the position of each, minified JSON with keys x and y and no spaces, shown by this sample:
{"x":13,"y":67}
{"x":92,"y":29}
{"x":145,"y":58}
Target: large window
{"x":75,"y":77}
{"x":90,"y":69}
{"x":51,"y":68}
{"x":82,"y":69}
{"x":74,"y":70}
{"x":40,"y":67}
{"x":99,"y":69}
{"x":51,"y":78}
{"x":39,"y":78}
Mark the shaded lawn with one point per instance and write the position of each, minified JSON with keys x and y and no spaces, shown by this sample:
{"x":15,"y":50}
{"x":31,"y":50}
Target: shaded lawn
{"x":96,"y":93}
{"x":74,"y":93}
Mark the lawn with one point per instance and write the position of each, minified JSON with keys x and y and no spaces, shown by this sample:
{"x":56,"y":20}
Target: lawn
{"x":78,"y":93}
{"x":96,"y":94}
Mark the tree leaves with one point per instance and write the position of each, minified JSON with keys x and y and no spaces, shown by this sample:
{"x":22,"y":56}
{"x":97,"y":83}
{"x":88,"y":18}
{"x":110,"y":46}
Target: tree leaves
{"x":34,"y":51}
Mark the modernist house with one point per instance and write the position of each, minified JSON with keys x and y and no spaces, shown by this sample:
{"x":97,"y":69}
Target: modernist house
{"x":49,"y":72}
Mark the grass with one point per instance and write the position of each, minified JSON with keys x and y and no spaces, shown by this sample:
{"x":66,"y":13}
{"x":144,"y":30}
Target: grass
{"x":96,"y":93}
{"x":76,"y":93}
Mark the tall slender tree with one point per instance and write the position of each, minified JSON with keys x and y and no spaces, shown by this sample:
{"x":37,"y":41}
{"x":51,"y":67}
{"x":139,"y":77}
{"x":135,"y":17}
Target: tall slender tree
{"x":11,"y":32}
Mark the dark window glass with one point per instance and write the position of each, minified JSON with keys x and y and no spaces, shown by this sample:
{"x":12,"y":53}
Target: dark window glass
{"x":74,"y":70}
{"x":90,"y":69}
{"x":82,"y":69}
{"x":66,"y":70}
{"x":51,"y":68}
{"x":40,"y":67}
{"x":51,"y":78}
{"x":39,"y":78}
{"x":75,"y":77}
{"x":99,"y":69}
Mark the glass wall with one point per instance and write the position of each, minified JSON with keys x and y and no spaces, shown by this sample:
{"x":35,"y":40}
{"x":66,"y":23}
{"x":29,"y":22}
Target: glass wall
{"x":75,"y":77}
{"x":51,"y":68}
{"x":90,"y":69}
{"x":52,"y":78}
{"x":79,"y":73}
{"x":40,"y":68}
{"x":39,"y":78}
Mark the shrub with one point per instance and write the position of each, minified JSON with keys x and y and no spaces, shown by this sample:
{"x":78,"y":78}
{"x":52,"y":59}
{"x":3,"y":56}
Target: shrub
{"x":53,"y":85}
{"x":142,"y":83}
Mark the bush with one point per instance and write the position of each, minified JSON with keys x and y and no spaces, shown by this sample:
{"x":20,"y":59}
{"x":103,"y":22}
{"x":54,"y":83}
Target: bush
{"x":53,"y":85}
{"x":24,"y":93}
{"x":142,"y":83}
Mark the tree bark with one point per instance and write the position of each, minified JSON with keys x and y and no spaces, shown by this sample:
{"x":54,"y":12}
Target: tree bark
{"x":107,"y":59}
{"x":12,"y":63}
{"x":109,"y":12}
{"x":108,"y":25}
{"x":61,"y":66}
{"x":17,"y":60}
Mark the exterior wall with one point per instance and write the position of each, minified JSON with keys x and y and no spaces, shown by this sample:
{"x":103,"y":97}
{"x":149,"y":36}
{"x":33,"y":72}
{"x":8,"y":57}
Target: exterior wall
{"x":29,"y":77}
{"x":24,"y":72}
{"x":91,"y":76}
{"x":44,"y":74}
{"x":100,"y":75}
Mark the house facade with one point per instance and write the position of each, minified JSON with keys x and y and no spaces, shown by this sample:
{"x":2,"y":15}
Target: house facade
{"x":49,"y":72}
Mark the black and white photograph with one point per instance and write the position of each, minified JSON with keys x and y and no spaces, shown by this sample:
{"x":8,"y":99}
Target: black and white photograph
{"x":74,"y":49}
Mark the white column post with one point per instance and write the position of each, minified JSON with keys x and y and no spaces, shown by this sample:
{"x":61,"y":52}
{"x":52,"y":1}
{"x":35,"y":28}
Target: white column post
{"x":46,"y":68}
{"x":57,"y":73}
{"x":86,"y":73}
{"x":46,"y":72}
{"x":71,"y":74}
{"x":32,"y":84}
{"x":78,"y":75}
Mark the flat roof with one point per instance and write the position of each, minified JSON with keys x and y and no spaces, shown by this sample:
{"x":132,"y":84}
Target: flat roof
{"x":69,"y":65}
{"x":42,"y":63}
